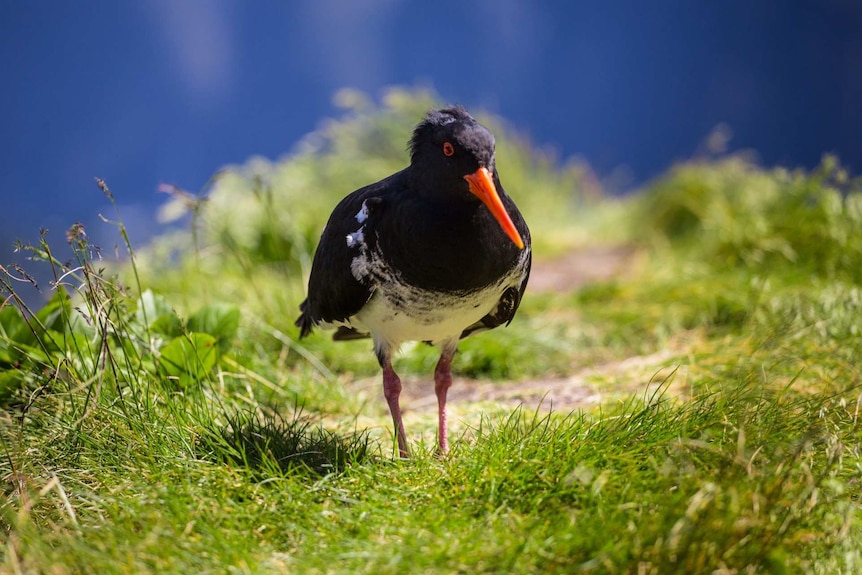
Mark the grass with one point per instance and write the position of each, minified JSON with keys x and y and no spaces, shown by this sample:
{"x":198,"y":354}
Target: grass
{"x":165,"y":419}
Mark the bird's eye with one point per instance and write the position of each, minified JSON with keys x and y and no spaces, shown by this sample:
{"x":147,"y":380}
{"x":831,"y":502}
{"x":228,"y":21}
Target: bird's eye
{"x":448,"y":149}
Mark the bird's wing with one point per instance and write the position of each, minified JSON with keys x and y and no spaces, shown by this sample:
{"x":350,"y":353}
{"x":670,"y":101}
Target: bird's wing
{"x":334,"y":293}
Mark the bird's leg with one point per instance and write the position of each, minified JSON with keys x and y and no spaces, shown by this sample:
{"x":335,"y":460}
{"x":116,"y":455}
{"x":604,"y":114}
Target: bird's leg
{"x":442,"y":383}
{"x":391,"y":391}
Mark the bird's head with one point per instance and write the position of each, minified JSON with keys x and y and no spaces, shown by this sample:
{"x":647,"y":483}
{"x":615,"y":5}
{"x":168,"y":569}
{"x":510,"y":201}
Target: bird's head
{"x":454,"y":151}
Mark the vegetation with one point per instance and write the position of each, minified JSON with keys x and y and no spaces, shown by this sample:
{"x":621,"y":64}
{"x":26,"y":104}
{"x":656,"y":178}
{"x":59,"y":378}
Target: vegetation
{"x":162,"y":417}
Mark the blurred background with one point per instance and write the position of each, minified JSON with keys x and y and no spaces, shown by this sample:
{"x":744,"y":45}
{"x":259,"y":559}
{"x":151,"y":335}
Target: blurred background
{"x":162,"y":91}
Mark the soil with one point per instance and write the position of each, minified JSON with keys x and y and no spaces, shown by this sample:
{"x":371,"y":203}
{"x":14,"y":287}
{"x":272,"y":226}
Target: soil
{"x":579,"y":268}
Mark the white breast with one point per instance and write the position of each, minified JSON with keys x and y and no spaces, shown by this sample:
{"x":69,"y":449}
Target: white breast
{"x":403,"y":313}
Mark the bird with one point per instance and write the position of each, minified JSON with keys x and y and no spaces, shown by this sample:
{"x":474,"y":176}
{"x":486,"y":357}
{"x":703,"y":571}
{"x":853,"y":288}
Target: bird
{"x":433,"y":253}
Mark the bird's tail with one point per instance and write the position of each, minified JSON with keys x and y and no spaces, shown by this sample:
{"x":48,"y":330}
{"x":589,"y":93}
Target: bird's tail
{"x":304,"y":321}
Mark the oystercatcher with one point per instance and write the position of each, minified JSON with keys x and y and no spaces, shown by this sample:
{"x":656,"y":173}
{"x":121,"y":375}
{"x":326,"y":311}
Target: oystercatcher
{"x":433,"y":253}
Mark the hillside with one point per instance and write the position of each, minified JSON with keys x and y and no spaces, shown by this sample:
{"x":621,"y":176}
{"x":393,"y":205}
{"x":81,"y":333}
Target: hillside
{"x":679,"y":392}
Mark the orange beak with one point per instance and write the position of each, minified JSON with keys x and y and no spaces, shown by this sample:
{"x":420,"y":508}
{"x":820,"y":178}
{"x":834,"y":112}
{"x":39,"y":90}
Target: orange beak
{"x":482,"y":186}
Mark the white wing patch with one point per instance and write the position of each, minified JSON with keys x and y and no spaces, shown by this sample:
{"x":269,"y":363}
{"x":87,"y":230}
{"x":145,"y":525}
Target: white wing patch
{"x":355,"y":239}
{"x":362,"y":214}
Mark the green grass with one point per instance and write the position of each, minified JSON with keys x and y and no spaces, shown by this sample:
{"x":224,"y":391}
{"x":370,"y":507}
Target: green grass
{"x":162,"y":417}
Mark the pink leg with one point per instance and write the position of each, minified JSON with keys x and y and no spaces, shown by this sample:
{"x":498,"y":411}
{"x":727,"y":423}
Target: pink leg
{"x":391,"y":391}
{"x":442,"y":383}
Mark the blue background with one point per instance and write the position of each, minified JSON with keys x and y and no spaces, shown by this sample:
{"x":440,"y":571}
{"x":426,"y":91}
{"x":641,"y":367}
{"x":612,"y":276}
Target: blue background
{"x":145,"y":92}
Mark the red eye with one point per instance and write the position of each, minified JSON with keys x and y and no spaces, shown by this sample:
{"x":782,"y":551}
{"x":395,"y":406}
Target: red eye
{"x":448,"y":149}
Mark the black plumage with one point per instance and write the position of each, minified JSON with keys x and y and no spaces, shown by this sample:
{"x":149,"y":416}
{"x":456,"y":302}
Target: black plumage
{"x":434,"y":253}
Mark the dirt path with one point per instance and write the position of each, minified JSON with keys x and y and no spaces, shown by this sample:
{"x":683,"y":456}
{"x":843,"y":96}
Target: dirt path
{"x":580,"y":267}
{"x":640,"y":375}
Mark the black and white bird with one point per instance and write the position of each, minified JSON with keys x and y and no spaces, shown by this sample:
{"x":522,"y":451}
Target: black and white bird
{"x":432,"y":253}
